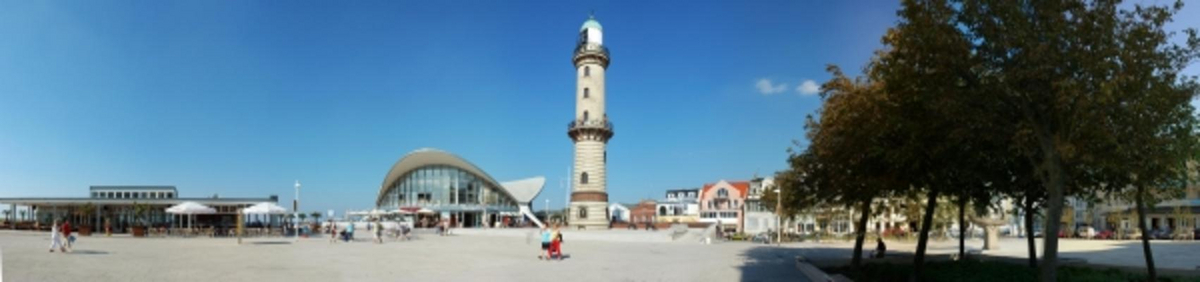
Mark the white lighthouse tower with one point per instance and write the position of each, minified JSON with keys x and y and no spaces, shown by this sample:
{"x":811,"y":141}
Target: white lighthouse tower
{"x":590,"y":130}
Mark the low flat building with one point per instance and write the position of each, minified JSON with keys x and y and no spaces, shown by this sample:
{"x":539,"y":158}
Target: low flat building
{"x":619,"y":212}
{"x":116,"y":205}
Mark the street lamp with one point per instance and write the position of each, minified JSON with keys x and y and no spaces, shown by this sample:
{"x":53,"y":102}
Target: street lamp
{"x":778,"y":217}
{"x":296,"y":211}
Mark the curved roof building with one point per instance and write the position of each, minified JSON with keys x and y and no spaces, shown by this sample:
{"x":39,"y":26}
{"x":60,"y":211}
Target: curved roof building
{"x":455,"y":189}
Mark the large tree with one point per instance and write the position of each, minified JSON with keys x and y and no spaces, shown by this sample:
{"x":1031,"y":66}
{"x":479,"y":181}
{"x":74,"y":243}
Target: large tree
{"x":1057,"y":67}
{"x":1153,"y":134}
{"x":850,"y":142}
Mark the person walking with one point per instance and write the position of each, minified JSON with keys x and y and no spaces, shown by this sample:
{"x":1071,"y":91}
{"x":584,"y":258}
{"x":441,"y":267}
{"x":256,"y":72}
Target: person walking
{"x":378,"y":231}
{"x":545,"y":244}
{"x":333,"y":235}
{"x":68,"y":241}
{"x":350,"y":232}
{"x":56,"y":238}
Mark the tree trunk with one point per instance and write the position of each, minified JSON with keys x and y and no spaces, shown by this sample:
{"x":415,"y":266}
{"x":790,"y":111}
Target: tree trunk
{"x":1055,"y":182}
{"x":962,"y":227}
{"x":861,"y":233}
{"x":1141,"y":210}
{"x":1029,"y":232}
{"x":923,"y":240}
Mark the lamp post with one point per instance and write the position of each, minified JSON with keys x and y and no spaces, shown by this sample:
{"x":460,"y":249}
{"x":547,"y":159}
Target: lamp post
{"x":296,"y":211}
{"x":547,"y":212}
{"x":778,"y":216}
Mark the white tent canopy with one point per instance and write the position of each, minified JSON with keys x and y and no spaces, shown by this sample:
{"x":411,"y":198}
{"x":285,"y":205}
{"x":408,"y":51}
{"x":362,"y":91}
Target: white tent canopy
{"x":265,"y":208}
{"x":190,"y":208}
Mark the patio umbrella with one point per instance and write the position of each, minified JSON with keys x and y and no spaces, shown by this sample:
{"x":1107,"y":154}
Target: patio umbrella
{"x":190,"y":208}
{"x":425,"y":210}
{"x":265,"y":208}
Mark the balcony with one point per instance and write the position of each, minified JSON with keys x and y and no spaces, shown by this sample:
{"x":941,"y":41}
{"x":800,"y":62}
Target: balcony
{"x":594,"y":128}
{"x":585,"y":52}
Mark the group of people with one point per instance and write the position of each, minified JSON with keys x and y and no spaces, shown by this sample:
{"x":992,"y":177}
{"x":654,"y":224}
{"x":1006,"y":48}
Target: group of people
{"x":375,"y":227}
{"x":61,"y":238}
{"x":551,"y":243}
{"x":346,"y":235}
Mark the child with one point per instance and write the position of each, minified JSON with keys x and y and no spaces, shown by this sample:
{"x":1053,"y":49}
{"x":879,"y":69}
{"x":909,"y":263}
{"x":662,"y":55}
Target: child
{"x":545,"y":243}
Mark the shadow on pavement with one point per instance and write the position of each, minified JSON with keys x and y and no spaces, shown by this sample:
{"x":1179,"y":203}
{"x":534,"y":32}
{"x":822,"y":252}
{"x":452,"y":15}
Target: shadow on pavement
{"x":771,"y":263}
{"x":88,"y":252}
{"x":270,"y":243}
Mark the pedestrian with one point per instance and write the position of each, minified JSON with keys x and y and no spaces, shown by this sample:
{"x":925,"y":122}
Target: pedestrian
{"x":333,"y":235}
{"x":56,"y":238}
{"x":378,"y":231}
{"x":68,"y":241}
{"x":349,"y":232}
{"x":545,"y":243}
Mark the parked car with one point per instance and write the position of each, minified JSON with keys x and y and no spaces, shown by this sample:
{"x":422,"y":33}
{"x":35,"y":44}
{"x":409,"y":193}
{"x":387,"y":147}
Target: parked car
{"x":1162,"y":233}
{"x":1086,"y":232}
{"x":1105,"y":235}
{"x":764,"y":237}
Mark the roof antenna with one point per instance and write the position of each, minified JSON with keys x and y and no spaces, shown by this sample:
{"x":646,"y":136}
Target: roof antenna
{"x":592,"y":14}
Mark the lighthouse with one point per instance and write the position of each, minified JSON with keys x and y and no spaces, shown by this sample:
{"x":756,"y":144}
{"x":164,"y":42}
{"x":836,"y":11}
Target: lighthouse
{"x":590,"y":130}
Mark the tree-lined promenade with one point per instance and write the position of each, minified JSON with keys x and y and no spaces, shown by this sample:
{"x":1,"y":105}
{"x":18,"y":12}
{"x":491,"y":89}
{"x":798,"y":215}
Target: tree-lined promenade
{"x":1034,"y":101}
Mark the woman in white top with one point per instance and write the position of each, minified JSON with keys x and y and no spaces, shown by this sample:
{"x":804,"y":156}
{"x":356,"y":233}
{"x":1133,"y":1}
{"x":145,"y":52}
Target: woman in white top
{"x":56,"y":238}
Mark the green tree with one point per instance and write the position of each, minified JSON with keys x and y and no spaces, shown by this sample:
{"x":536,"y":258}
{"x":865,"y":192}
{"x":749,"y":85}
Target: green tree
{"x":316,"y":216}
{"x":850,"y":144}
{"x":303,"y":216}
{"x":140,"y":210}
{"x":86,"y":211}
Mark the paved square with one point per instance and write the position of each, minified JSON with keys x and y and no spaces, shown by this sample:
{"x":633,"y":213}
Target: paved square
{"x":507,"y":256}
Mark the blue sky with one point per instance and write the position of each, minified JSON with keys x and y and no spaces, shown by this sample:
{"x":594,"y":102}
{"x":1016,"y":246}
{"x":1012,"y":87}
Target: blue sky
{"x":241,"y":98}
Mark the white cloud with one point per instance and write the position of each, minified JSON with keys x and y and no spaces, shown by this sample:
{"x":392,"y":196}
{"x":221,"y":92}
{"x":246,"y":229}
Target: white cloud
{"x":765,"y":87}
{"x":808,"y":87}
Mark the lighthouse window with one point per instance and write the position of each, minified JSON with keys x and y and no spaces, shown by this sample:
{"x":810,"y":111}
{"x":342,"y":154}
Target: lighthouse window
{"x":587,"y":71}
{"x":583,"y":179}
{"x":585,"y":115}
{"x":582,"y":213}
{"x":586,"y":92}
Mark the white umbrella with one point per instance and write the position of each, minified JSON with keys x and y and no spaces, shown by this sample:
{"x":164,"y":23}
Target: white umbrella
{"x":425,"y":210}
{"x":190,"y":208}
{"x":265,"y":208}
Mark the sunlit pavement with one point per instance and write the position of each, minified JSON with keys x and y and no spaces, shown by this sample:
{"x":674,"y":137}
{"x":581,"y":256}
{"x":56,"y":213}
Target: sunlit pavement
{"x":509,"y":255}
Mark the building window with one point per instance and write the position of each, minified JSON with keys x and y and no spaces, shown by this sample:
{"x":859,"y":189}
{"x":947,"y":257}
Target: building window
{"x":587,"y":71}
{"x":586,"y":92}
{"x":585,"y":116}
{"x":722,"y":193}
{"x":662,"y":210}
{"x":582,"y":212}
{"x":583,"y":178}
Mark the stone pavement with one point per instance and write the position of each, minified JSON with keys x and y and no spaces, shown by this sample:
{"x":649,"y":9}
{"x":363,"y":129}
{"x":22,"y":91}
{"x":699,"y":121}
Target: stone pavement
{"x":505,"y":255}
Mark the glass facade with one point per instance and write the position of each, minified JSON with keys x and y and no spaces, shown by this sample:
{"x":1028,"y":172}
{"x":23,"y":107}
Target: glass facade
{"x":445,"y":188}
